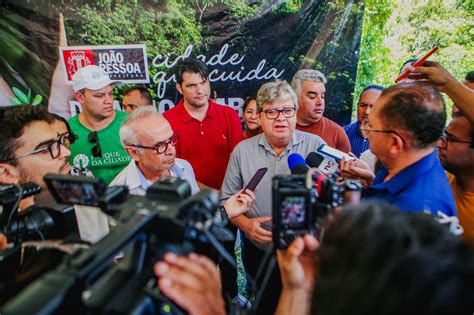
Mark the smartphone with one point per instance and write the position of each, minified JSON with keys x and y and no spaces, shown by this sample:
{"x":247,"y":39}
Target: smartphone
{"x":257,"y":177}
{"x":334,"y":153}
{"x":416,"y":64}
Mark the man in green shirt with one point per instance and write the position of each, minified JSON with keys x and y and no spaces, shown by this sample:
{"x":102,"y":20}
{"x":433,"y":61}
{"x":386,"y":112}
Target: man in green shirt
{"x":98,"y":147}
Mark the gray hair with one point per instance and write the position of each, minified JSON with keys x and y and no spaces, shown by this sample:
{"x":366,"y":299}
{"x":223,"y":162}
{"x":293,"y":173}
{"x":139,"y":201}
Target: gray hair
{"x":127,"y":134}
{"x":272,"y":91}
{"x":306,"y":75}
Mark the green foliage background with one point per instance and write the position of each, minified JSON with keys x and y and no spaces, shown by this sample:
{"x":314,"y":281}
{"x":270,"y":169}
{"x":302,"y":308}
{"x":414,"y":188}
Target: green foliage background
{"x":394,"y":31}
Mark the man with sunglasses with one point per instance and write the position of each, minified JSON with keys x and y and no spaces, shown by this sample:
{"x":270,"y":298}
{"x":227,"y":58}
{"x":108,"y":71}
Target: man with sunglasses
{"x":148,"y":138}
{"x":456,"y":153}
{"x":98,"y":147}
{"x":403,"y":129}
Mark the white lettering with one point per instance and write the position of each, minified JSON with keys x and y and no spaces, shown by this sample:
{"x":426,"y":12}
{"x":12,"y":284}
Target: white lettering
{"x":162,"y":78}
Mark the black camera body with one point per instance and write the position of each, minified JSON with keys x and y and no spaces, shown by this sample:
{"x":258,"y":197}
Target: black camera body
{"x":116,"y":275}
{"x":301,"y":203}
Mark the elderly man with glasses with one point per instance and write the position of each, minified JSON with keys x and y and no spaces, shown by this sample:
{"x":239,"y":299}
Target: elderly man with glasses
{"x":149,"y":140}
{"x":276,"y":106}
{"x":403,"y":129}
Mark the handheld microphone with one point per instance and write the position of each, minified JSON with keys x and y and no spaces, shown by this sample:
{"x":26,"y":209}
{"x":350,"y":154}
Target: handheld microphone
{"x":297,"y":164}
{"x":324,"y":164}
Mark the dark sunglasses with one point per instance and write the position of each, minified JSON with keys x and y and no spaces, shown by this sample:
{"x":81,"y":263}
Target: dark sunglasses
{"x":96,"y":150}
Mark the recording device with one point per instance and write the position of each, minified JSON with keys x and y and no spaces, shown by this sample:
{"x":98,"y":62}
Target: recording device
{"x":301,"y":202}
{"x":326,"y":165}
{"x":334,"y":153}
{"x":256,"y":178}
{"x":297,"y":164}
{"x":92,"y":281}
{"x":35,"y":222}
{"x":86,"y":191}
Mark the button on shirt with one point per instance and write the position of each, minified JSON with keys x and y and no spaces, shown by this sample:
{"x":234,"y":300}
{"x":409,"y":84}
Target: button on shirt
{"x":359,"y":144}
{"x":137,"y":184}
{"x":255,"y":153}
{"x":421,"y":186}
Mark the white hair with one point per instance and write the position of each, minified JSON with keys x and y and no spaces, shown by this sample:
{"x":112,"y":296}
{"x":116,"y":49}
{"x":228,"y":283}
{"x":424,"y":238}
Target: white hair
{"x":306,"y":75}
{"x":127,"y":134}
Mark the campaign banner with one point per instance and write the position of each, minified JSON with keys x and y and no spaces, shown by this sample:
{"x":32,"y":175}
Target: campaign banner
{"x":124,"y":63}
{"x":244,"y":43}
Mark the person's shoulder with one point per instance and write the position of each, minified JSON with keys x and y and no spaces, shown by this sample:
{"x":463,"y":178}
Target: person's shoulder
{"x":332,"y":124}
{"x":121,"y":177}
{"x":226,"y":109}
{"x":310,"y":137}
{"x":350,"y":127}
{"x":184,"y":164}
{"x":120,"y":116}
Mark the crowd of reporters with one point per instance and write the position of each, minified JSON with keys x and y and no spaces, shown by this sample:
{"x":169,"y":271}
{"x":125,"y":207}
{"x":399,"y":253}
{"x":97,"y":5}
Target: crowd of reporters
{"x":373,"y":257}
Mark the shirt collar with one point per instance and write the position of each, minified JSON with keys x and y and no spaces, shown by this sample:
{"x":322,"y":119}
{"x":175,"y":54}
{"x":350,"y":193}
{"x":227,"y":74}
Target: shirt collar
{"x":296,"y":139}
{"x":145,"y":183}
{"x":186,"y":117}
{"x":177,"y":170}
{"x":405,"y":176}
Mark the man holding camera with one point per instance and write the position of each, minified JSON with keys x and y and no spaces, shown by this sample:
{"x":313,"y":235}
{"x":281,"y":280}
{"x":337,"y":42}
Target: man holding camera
{"x":98,"y":146}
{"x":276,"y":105}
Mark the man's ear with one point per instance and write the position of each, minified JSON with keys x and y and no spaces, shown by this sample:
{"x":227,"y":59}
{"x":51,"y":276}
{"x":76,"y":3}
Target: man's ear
{"x":9,"y":174}
{"x":133,"y":152}
{"x":179,"y":88}
{"x":79,"y":97}
{"x":396,"y":144}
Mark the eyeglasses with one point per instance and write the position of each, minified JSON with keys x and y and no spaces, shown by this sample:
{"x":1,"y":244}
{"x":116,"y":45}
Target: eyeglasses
{"x":446,"y":137}
{"x":383,"y":131}
{"x":274,"y":113}
{"x":54,"y":148}
{"x":160,"y":147}
{"x":96,"y":150}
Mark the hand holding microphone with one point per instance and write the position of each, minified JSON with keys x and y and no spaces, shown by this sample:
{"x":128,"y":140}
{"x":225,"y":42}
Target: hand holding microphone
{"x":357,"y":169}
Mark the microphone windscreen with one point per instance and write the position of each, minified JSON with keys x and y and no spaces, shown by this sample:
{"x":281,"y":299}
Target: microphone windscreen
{"x":296,"y":159}
{"x":314,"y":159}
{"x":300,"y":169}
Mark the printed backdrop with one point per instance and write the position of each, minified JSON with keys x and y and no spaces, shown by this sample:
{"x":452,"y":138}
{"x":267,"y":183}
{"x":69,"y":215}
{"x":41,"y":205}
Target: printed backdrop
{"x":245,"y":44}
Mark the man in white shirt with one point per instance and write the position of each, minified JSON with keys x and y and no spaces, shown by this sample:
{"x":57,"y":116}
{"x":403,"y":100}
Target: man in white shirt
{"x":148,"y":138}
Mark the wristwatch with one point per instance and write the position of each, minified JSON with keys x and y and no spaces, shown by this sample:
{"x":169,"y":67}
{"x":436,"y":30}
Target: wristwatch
{"x":223,"y":214}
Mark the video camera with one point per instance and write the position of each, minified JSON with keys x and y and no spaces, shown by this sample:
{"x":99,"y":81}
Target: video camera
{"x":35,"y":222}
{"x":301,"y":203}
{"x":116,"y":275}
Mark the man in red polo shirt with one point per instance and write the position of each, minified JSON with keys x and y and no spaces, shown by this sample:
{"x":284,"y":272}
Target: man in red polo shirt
{"x":207,"y":132}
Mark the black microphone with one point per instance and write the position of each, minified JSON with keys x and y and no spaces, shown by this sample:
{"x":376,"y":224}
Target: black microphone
{"x":297,"y":164}
{"x":324,"y":164}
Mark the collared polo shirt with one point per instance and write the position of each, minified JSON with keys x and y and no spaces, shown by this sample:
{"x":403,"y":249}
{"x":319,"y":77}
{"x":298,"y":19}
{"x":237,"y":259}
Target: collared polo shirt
{"x":206,"y":144}
{"x":255,"y":153}
{"x":359,"y":144}
{"x":421,"y":186}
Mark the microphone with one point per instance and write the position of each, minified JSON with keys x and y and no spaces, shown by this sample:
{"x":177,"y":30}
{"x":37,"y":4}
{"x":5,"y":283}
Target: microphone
{"x":297,"y":164}
{"x":324,"y":164}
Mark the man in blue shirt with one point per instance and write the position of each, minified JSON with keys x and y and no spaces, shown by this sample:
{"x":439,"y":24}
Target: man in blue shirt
{"x":403,"y":129}
{"x":367,"y":99}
